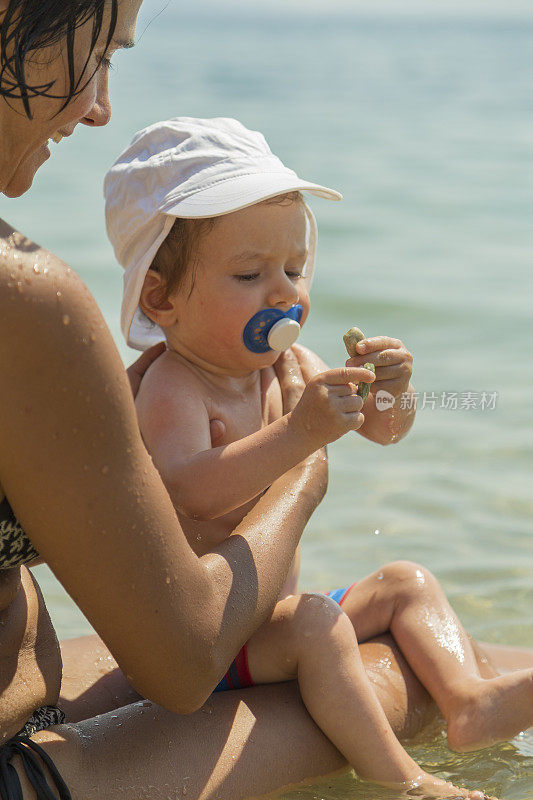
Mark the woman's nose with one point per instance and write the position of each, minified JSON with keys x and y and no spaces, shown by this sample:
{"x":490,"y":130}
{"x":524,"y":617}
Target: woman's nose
{"x":100,"y":113}
{"x":283,"y":293}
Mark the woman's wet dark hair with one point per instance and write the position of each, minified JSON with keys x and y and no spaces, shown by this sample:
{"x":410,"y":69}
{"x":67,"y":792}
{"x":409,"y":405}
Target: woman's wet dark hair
{"x":29,"y":25}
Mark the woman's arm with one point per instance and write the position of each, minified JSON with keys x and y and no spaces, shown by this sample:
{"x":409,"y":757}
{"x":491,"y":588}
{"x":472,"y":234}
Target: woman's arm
{"x":83,"y":486}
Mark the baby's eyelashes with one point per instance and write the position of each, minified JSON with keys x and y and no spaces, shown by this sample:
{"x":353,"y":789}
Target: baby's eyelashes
{"x":293,"y":275}
{"x":249,"y":276}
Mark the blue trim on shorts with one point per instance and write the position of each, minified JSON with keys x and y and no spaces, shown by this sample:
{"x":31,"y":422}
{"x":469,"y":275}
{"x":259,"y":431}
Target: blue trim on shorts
{"x":339,"y":595}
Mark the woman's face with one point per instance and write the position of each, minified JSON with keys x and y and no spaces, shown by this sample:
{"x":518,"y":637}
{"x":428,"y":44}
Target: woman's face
{"x":25,"y":141}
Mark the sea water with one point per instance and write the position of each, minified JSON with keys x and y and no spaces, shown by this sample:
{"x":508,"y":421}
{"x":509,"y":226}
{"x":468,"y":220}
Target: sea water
{"x":424,"y":121}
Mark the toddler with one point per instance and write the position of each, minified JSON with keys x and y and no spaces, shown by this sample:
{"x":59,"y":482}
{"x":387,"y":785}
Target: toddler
{"x":218,"y":247}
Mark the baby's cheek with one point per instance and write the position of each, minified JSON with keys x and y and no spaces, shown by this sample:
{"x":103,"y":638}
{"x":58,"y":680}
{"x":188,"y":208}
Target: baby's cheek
{"x":304,"y":301}
{"x":225,"y":333}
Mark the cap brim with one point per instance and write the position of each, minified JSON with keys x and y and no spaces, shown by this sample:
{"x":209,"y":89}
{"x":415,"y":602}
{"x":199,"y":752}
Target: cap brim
{"x":241,"y":191}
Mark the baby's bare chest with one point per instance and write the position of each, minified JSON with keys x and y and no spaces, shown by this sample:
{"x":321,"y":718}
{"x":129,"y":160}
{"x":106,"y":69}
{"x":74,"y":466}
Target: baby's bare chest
{"x":247,"y":412}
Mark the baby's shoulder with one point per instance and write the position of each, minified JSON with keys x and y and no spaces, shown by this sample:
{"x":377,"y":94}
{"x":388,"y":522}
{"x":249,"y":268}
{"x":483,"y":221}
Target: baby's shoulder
{"x":170,"y":375}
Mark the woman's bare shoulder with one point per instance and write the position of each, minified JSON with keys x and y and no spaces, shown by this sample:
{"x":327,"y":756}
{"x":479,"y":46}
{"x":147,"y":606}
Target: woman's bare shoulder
{"x":42,"y":299}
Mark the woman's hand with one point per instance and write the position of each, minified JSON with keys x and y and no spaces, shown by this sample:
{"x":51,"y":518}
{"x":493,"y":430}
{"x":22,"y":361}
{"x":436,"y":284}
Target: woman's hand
{"x":138,"y":368}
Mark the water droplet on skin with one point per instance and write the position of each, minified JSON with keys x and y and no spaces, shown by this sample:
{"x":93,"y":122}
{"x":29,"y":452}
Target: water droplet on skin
{"x":65,"y":319}
{"x":59,"y":295}
{"x":36,"y":269}
{"x":92,"y":337}
{"x":199,"y":538}
{"x":380,"y":576}
{"x":167,"y":580}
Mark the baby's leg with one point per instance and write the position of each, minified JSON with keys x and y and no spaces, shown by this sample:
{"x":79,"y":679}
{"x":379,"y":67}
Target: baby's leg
{"x":407,"y":600}
{"x":311,"y":639}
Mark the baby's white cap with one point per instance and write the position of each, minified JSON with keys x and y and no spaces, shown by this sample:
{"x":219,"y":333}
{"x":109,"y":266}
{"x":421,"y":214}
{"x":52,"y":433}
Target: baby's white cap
{"x":192,"y":168}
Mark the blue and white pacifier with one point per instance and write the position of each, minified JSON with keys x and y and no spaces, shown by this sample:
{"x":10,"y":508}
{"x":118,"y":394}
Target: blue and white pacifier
{"x":272,"y":329}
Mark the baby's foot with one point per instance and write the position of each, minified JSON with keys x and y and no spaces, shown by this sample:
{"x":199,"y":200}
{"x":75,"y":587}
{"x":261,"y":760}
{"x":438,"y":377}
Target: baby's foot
{"x":428,"y":787}
{"x":494,"y":711}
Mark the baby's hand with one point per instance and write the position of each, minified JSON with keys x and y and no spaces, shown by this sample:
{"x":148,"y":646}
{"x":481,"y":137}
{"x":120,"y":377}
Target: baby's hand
{"x":393,"y":362}
{"x":329,"y":406}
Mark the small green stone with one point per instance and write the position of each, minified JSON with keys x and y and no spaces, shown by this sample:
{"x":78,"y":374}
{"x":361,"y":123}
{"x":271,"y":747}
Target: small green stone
{"x":364,"y":388}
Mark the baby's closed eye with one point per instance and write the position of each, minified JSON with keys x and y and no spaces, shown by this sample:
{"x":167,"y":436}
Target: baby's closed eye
{"x":248,"y":276}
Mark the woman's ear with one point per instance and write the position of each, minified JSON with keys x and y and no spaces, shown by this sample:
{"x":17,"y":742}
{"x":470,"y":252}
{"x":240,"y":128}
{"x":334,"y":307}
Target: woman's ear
{"x":153,"y":303}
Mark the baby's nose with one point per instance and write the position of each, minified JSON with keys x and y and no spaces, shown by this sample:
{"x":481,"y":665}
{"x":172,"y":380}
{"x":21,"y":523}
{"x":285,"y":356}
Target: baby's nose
{"x":283,"y":294}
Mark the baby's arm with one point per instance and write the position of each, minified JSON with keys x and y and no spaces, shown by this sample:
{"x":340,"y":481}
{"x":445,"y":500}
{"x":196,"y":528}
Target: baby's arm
{"x":205,"y":482}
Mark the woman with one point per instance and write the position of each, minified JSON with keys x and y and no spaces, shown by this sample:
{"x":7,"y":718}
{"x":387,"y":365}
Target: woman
{"x":78,"y":488}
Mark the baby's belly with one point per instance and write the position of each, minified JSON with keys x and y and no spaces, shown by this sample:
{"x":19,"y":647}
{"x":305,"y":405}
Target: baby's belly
{"x":204,"y":536}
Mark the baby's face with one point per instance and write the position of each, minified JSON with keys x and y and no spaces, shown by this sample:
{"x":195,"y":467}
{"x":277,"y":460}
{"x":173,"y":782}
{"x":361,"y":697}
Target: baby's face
{"x":252,"y":259}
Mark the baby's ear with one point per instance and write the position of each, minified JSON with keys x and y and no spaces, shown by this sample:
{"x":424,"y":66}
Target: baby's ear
{"x":153,"y":303}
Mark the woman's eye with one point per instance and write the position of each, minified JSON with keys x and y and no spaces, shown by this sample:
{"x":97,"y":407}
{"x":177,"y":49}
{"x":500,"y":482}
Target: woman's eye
{"x":105,"y":63}
{"x":249,"y":276}
{"x":294,"y":276}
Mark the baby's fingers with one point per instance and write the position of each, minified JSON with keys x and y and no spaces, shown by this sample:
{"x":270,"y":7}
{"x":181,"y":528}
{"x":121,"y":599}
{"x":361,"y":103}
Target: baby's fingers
{"x":378,"y":343}
{"x":382,"y":358}
{"x":350,"y":404}
{"x":335,"y":377}
{"x":398,"y":372}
